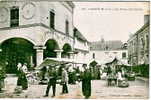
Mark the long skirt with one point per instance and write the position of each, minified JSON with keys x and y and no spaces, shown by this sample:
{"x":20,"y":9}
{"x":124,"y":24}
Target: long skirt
{"x":22,"y":81}
{"x":86,"y":88}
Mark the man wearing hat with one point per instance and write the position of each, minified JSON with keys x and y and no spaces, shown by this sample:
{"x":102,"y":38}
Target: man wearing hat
{"x":52,"y":80}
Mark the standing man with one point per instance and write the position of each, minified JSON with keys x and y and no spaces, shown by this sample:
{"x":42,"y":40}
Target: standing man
{"x":43,"y":72}
{"x":52,"y":81}
{"x":86,"y":82}
{"x":64,"y":81}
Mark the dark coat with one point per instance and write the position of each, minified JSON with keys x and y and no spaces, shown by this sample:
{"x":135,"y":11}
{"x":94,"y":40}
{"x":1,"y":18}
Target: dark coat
{"x":22,"y":80}
{"x":86,"y":83}
{"x":52,"y":77}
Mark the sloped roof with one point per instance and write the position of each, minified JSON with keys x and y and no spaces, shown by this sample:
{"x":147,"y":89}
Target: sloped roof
{"x":79,"y":35}
{"x":139,"y":31}
{"x":106,"y":45}
{"x":119,"y":62}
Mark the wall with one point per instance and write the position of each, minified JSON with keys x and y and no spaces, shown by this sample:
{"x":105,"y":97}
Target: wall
{"x":34,"y":23}
{"x":143,"y":48}
{"x":102,"y":56}
{"x":24,"y":16}
{"x":138,"y":51}
{"x":83,"y":45}
{"x":61,"y":15}
{"x":31,"y":14}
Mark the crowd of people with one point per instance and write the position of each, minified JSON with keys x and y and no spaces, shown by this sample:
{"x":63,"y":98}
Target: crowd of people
{"x":67,"y":77}
{"x":116,"y":76}
{"x":52,"y":74}
{"x":64,"y":75}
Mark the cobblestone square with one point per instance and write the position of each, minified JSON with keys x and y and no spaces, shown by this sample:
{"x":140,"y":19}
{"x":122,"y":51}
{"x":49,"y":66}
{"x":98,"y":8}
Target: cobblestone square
{"x":138,"y":89}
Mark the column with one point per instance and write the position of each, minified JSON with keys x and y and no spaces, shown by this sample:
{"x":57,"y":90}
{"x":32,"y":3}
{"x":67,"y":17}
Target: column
{"x":39,"y":54}
{"x":71,"y":55}
{"x":59,"y":53}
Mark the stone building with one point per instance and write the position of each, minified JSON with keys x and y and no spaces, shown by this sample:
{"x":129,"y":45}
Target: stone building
{"x":138,"y":45}
{"x":33,"y":30}
{"x":102,"y":51}
{"x":81,"y":47}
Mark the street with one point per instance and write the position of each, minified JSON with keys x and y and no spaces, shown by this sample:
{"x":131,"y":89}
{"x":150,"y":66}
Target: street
{"x":138,"y":89}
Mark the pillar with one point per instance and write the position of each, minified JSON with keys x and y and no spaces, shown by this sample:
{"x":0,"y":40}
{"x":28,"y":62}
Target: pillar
{"x":59,"y":53}
{"x":71,"y":55}
{"x":39,"y":54}
{"x":31,"y":61}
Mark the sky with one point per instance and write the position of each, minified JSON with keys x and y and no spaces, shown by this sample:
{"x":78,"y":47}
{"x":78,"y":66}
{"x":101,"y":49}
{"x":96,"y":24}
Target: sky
{"x":109,"y":20}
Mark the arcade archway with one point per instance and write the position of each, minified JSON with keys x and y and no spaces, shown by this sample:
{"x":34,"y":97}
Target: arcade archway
{"x":51,"y":46}
{"x":17,"y":50}
{"x":66,"y":49}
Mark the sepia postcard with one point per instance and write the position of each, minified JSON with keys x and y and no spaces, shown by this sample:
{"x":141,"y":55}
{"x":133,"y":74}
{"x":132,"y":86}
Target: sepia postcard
{"x":74,"y":49}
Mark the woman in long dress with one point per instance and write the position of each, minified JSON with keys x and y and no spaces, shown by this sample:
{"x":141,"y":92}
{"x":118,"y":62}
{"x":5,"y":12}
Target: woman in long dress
{"x":22,"y":80}
{"x":86,"y":82}
{"x":119,"y":77}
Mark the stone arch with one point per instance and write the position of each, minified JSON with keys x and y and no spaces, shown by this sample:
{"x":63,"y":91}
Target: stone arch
{"x":66,"y":49}
{"x":23,"y":37}
{"x":18,"y":50}
{"x":51,"y":46}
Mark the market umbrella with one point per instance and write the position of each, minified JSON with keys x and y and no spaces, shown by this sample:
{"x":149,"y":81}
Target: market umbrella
{"x":48,"y":62}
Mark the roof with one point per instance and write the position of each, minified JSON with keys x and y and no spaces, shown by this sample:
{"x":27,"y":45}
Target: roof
{"x":79,"y":35}
{"x":52,"y":62}
{"x":118,"y":62}
{"x":106,"y":45}
{"x":139,"y":31}
{"x":70,"y":3}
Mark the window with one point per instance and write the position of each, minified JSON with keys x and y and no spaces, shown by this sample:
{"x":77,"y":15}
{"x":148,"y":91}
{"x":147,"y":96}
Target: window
{"x":106,"y":48}
{"x":67,"y":27}
{"x":74,"y":31}
{"x":147,"y":42}
{"x":52,"y":19}
{"x":115,"y":52}
{"x":124,"y":55}
{"x":142,"y":42}
{"x":14,"y":17}
{"x":93,"y":55}
{"x":85,"y":43}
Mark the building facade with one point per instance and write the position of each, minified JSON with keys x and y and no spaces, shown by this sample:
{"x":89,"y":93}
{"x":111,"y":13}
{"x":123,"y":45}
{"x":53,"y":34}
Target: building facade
{"x":138,"y":46}
{"x":81,"y":47}
{"x":102,"y":51}
{"x":33,"y":30}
